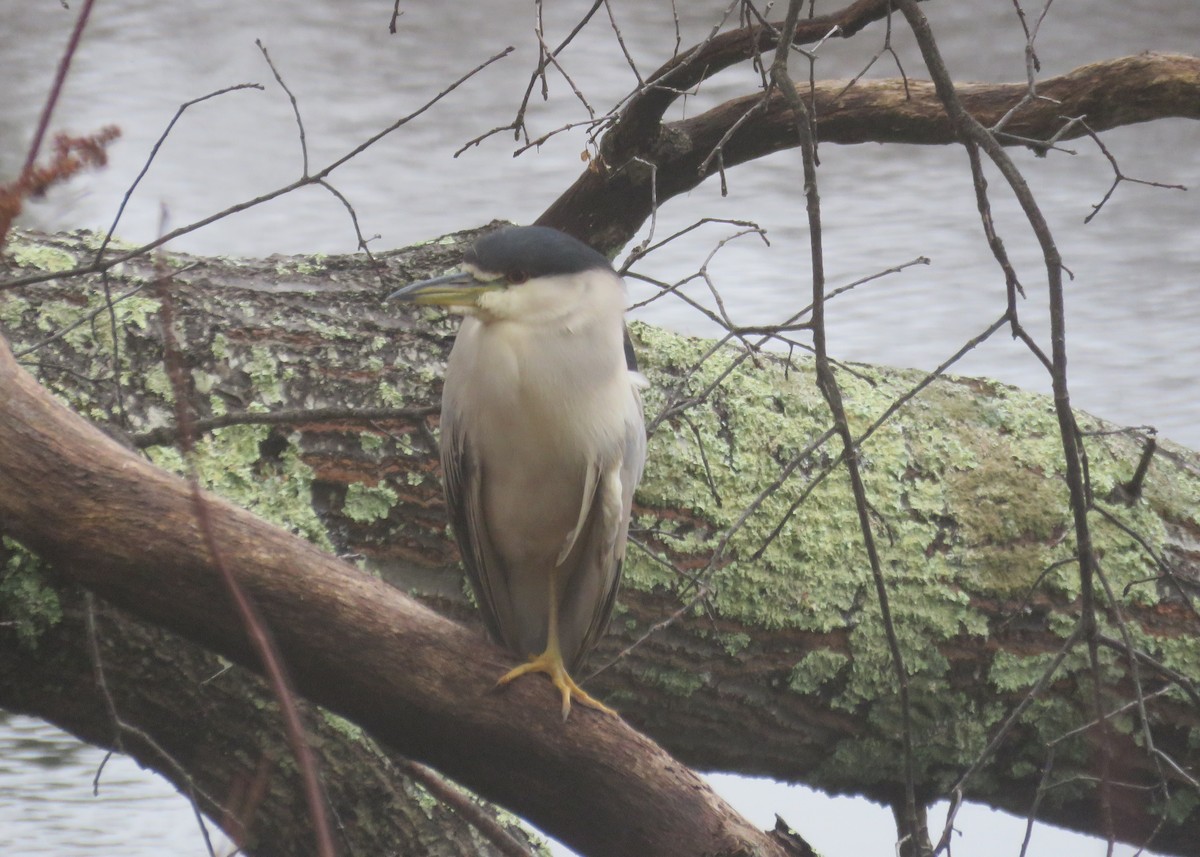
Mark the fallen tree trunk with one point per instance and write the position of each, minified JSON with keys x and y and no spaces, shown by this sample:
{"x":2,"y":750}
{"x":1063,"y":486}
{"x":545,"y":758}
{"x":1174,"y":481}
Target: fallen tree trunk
{"x":321,"y":408}
{"x":418,"y":681}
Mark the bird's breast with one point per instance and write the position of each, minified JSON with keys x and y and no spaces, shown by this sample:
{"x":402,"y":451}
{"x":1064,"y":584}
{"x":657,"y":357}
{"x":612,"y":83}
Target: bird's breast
{"x":538,"y":410}
{"x":537,"y":395}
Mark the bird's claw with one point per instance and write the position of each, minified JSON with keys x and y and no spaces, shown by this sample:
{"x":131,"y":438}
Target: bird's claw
{"x":553,"y":667}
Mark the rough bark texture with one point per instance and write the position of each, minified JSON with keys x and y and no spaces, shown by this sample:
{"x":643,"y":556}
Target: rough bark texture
{"x":782,"y":672}
{"x":609,"y":202}
{"x":417,"y":681}
{"x":213,"y":730}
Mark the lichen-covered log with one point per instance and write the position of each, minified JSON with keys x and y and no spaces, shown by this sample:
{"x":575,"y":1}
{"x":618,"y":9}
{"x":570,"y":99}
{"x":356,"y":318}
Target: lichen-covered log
{"x":414,"y":680}
{"x":781,"y":668}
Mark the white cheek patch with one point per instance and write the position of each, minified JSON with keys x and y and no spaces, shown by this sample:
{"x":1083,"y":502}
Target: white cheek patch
{"x":494,"y":303}
{"x":572,"y":303}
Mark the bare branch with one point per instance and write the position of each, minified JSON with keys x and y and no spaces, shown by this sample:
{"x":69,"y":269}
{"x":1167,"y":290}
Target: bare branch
{"x":304,"y":181}
{"x":295,"y":106}
{"x":606,"y":208}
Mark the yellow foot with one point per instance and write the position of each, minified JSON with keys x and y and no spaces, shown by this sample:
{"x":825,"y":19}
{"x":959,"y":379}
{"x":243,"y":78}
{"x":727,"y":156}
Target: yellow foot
{"x":551,"y":664}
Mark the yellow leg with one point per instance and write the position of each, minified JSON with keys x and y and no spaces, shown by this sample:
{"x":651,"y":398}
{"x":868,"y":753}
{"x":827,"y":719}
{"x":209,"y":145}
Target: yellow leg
{"x":551,"y":663}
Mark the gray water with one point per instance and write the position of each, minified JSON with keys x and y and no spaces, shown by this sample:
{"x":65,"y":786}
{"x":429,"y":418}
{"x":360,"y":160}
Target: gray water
{"x":1132,"y":305}
{"x":48,"y":805}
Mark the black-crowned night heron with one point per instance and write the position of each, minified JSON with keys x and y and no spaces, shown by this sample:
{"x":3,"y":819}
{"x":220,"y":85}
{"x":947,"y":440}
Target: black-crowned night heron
{"x":543,"y":441}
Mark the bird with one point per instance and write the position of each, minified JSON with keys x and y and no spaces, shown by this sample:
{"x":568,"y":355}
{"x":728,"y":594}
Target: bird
{"x":543,"y":442}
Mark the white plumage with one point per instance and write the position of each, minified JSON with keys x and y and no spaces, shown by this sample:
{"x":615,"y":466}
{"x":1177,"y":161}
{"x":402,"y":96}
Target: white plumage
{"x":543,"y":441}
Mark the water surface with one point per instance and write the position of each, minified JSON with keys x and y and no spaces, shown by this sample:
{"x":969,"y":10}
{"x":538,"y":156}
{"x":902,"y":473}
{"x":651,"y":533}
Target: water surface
{"x":1133,"y":308}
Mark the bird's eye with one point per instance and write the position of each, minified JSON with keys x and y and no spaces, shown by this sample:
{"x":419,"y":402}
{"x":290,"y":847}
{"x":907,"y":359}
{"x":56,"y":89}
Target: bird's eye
{"x":515,"y":278}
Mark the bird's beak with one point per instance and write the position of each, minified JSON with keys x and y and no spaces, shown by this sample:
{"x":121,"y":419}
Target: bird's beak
{"x":457,"y":289}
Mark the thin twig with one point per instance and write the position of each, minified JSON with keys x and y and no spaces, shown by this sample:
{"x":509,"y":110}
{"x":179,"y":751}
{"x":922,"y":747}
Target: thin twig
{"x":570,"y":82}
{"x":621,"y":41}
{"x":362,"y":241}
{"x":304,"y":181}
{"x":1168,"y":572}
{"x":56,"y":86}
{"x":971,"y":132}
{"x":462,"y":804}
{"x":255,"y":628}
{"x":1118,"y":176}
{"x":121,"y":727}
{"x":162,"y":138}
{"x":1034,"y":693}
{"x":827,"y":382}
{"x":295,"y":106}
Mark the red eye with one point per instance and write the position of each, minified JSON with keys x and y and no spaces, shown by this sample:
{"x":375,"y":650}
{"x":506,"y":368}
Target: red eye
{"x":517,"y":277}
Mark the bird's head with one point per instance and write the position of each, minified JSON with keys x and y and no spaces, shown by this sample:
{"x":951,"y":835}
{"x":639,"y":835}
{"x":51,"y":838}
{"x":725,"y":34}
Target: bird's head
{"x":525,"y":273}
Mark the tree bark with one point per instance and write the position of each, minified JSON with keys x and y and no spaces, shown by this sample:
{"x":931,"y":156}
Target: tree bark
{"x":113,"y":522}
{"x":214,"y":730}
{"x":608,"y":203}
{"x":779,"y":670}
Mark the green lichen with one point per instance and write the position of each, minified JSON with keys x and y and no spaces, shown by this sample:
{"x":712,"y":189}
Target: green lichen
{"x":12,"y":311}
{"x":136,"y":310}
{"x":424,"y":799}
{"x":204,"y":382}
{"x":1181,"y":805}
{"x":370,"y":442}
{"x":229,"y":462}
{"x":368,"y":503}
{"x":53,"y":316}
{"x":94,"y":241}
{"x":326,"y":330}
{"x":41,"y":257}
{"x":1011,"y":672}
{"x":389,"y":395}
{"x":816,"y":668}
{"x":676,"y":682}
{"x":27,"y":602}
{"x":344,"y":727}
{"x":734,"y":643}
{"x":154,"y":379}
{"x":267,"y":374}
{"x":304,"y":266}
{"x":968,"y":505}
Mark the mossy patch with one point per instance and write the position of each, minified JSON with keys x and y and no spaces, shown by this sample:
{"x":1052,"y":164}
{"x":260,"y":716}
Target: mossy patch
{"x":27,"y":601}
{"x":815,"y":669}
{"x":230,"y":463}
{"x":42,"y":257}
{"x":968,"y":506}
{"x":368,"y":503}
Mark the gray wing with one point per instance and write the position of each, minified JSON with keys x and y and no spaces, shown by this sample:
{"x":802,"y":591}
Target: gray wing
{"x":462,"y":477}
{"x":594,"y":566}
